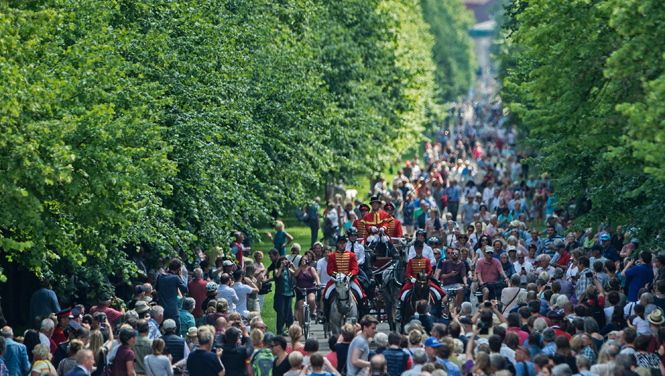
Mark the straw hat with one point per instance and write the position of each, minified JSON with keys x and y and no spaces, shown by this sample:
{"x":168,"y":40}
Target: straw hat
{"x":656,"y":317}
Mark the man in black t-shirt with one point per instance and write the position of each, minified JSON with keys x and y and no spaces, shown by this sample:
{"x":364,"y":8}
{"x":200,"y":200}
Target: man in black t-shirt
{"x":281,"y":363}
{"x":203,"y":362}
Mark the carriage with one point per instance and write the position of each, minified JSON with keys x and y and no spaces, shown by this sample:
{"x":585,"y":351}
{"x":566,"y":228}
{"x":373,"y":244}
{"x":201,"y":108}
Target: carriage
{"x":389,"y":270}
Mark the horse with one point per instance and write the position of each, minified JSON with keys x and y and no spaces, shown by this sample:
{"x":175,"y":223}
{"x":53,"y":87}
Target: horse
{"x":392,"y":281}
{"x":343,"y":305}
{"x":421,"y":291}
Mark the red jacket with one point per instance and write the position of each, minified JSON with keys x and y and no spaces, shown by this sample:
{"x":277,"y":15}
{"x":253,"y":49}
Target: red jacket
{"x":342,"y":262}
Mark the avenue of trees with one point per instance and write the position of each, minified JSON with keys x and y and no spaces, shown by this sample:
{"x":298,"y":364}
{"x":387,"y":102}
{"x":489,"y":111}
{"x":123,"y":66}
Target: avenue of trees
{"x":585,"y":81}
{"x":169,"y":123}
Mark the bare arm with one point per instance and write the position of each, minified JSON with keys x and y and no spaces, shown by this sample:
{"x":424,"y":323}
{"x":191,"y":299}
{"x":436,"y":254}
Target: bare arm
{"x":356,"y":361}
{"x":130,"y":368}
{"x":315,"y":275}
{"x":290,"y":237}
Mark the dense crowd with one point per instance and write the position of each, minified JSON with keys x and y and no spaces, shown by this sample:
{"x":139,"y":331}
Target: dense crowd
{"x":551,"y":301}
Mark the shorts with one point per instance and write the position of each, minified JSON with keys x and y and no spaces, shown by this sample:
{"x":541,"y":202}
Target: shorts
{"x":300,"y":295}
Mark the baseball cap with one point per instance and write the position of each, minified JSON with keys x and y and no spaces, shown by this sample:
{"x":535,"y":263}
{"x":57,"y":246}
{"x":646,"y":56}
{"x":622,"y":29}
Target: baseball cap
{"x":489,"y":249}
{"x":169,"y":324}
{"x":432,"y":342}
{"x":605,"y":237}
{"x":228,"y":263}
{"x":511,"y":248}
{"x":139,"y":289}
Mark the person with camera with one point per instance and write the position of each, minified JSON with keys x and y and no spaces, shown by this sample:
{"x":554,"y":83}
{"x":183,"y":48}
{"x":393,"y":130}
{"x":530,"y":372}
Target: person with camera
{"x":167,"y":286}
{"x":639,"y":272}
{"x":237,"y":348}
{"x":203,"y":361}
{"x":110,"y":315}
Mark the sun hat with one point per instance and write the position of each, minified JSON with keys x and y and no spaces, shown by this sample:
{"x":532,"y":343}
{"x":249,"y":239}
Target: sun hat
{"x":656,"y":317}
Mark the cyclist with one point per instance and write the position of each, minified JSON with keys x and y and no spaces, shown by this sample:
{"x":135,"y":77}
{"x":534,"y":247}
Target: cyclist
{"x":307,"y":280}
{"x":452,"y":275}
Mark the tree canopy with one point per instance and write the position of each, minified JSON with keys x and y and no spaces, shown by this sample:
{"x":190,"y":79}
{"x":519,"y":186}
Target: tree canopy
{"x":170,"y":123}
{"x":585,"y":80}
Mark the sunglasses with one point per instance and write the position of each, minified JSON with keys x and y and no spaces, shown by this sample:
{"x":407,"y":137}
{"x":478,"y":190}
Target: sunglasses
{"x":455,"y":253}
{"x":437,"y":253}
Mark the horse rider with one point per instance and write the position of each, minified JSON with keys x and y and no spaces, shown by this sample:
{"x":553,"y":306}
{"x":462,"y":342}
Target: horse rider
{"x":395,"y":226}
{"x":416,"y":265}
{"x":365,"y":274}
{"x":428,"y":253}
{"x":344,"y":262}
{"x":376,"y":218}
{"x":362,"y":231}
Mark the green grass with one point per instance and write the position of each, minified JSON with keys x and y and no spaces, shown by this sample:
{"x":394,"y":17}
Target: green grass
{"x":301,"y":231}
{"x":301,"y":235}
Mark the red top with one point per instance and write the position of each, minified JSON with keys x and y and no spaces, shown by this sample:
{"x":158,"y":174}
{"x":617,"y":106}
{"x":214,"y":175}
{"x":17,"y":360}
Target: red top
{"x":111,"y":314}
{"x":378,"y":219}
{"x":524,"y":336}
{"x":416,"y":265}
{"x":342,"y":262}
{"x":489,"y":272}
{"x":560,"y":332}
{"x":332,"y":357}
{"x":395,"y":228}
{"x":58,"y":336}
{"x":564,"y":259}
{"x":241,"y":264}
{"x":197,"y":290}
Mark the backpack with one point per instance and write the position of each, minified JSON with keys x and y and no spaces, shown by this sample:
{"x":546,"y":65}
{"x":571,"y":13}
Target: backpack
{"x":597,"y":312}
{"x":262,"y":363}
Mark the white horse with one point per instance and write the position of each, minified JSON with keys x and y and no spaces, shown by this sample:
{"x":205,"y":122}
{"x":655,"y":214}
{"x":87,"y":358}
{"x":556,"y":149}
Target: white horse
{"x":343,"y":306}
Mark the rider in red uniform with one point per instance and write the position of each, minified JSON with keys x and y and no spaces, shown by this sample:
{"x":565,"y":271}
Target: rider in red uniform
{"x":377,"y":218}
{"x":395,"y":226}
{"x":415,"y":266}
{"x":342,"y":261}
{"x":362,"y":232}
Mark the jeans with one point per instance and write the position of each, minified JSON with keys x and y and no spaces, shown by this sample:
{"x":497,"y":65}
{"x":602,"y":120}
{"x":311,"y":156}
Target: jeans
{"x":283,"y":306}
{"x":315,"y":234}
{"x":453,"y":208}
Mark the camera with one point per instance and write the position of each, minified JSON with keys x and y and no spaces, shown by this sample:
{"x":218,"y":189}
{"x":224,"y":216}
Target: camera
{"x":638,"y":262}
{"x":589,"y":274}
{"x":487,"y":305}
{"x":236,"y":324}
{"x":101,"y":318}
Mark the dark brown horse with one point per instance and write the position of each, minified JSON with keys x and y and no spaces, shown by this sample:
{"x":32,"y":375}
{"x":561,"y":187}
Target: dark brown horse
{"x":421,"y":291}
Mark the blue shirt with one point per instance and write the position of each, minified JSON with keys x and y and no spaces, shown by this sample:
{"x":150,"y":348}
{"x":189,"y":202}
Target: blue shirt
{"x":452,"y":369}
{"x":3,"y":367}
{"x":641,"y":275}
{"x":167,"y":286}
{"x":611,"y":254}
{"x":539,"y":245}
{"x":454,"y":194}
{"x":16,"y":358}
{"x":549,"y":349}
{"x":530,"y":369}
{"x":43,"y":303}
{"x":498,"y":257}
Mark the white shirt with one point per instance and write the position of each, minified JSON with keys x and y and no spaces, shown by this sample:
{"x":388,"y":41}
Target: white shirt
{"x":549,"y":270}
{"x":527,"y":266}
{"x":226,"y":292}
{"x":508,"y":353}
{"x":322,"y":269}
{"x":358,"y":249}
{"x":242,"y":291}
{"x":427,"y":252}
{"x":43,"y":339}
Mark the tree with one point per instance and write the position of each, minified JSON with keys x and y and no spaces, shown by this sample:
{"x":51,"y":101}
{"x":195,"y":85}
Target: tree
{"x":590,"y":106}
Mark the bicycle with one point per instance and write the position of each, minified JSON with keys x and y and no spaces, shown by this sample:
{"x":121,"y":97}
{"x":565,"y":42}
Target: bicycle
{"x":306,"y":313}
{"x":451,"y":292}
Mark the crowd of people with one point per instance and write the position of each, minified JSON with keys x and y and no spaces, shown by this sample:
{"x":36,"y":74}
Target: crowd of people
{"x":551,"y":301}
